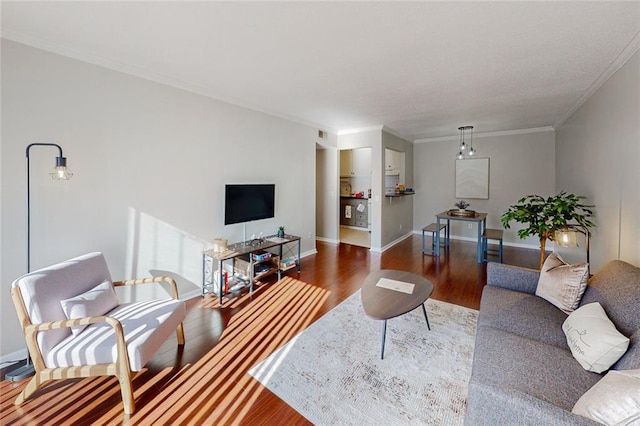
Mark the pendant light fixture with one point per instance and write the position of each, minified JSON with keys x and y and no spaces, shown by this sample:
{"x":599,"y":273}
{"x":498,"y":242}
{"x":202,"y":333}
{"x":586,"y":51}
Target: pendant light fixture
{"x":466,"y":150}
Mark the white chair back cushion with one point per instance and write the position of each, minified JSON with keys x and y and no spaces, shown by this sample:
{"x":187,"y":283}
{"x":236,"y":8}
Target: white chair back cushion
{"x":42,"y":291}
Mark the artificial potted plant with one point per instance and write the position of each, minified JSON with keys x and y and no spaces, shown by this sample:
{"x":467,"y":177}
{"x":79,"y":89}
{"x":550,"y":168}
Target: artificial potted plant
{"x":280,"y":231}
{"x":544,"y":216}
{"x":461,"y":205}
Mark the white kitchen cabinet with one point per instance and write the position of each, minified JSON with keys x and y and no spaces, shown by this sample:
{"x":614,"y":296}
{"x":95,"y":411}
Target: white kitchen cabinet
{"x":361,"y":161}
{"x":346,"y":162}
{"x":355,"y":162}
{"x":392,"y":162}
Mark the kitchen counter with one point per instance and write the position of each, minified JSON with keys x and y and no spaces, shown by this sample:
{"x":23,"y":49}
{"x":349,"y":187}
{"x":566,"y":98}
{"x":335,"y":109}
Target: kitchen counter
{"x":399,"y":194}
{"x":353,"y":197}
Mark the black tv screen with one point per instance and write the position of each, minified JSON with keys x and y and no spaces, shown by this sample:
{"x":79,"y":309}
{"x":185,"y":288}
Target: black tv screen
{"x":247,"y":202}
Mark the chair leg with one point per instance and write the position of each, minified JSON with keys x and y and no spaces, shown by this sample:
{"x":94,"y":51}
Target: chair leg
{"x":32,"y":386}
{"x":180,"y":334}
{"x":126,"y":389}
{"x":484,"y":249}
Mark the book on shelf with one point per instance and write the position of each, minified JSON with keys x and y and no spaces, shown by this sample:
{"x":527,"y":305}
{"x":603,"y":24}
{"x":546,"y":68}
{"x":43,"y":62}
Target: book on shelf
{"x":287,"y":263}
{"x":259,"y":257}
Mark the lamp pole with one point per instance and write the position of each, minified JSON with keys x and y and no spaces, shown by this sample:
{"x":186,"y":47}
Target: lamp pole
{"x":60,"y":173}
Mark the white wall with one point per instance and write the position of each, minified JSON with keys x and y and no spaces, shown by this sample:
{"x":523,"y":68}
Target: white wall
{"x":519,"y":164}
{"x":327,"y":191}
{"x":598,"y":155}
{"x":150,"y":165}
{"x":397,"y":212}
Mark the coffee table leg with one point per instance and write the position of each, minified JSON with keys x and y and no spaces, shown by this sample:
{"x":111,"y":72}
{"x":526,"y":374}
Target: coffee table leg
{"x":425,"y":316}
{"x":384,"y":333}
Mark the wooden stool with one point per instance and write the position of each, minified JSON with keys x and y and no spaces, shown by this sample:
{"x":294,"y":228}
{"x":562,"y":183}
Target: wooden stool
{"x":491,"y":234}
{"x":433,"y":228}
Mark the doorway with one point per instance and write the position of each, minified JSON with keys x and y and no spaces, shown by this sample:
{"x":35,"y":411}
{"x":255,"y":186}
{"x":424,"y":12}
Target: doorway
{"x":355,"y":193}
{"x":355,"y":237}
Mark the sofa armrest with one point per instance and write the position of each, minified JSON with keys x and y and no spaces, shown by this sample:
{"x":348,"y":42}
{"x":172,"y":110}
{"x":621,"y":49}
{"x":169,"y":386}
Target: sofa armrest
{"x":512,"y":277}
{"x":160,"y":279}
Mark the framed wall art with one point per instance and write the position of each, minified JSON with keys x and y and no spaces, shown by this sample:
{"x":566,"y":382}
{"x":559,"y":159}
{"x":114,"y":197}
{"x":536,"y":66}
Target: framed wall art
{"x":472,"y":178}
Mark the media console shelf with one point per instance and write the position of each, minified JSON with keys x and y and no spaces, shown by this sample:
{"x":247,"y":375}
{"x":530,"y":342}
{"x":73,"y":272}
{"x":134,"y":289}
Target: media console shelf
{"x":250,"y":261}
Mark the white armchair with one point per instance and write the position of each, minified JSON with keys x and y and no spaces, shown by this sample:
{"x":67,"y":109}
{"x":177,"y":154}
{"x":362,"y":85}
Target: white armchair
{"x":74,"y":325}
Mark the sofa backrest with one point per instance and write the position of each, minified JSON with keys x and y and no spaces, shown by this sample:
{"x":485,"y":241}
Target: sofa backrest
{"x":617,"y":288}
{"x":42,"y":291}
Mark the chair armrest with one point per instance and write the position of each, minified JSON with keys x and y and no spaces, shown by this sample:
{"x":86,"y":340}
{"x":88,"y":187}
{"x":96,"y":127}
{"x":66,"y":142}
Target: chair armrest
{"x":122,"y":361}
{"x":512,"y":277}
{"x":52,"y":325}
{"x":160,"y":279}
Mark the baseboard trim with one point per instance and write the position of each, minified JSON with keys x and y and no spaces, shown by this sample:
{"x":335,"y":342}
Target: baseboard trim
{"x":391,"y":244}
{"x":328,"y":240}
{"x":550,"y":244}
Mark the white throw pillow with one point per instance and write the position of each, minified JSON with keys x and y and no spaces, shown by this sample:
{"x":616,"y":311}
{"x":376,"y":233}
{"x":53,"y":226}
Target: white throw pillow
{"x":95,"y":302}
{"x":562,"y":284}
{"x":593,"y":339}
{"x":614,"y":400}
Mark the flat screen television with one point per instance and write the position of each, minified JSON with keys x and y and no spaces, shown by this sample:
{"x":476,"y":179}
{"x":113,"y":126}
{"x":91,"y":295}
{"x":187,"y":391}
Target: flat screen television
{"x":247,"y":202}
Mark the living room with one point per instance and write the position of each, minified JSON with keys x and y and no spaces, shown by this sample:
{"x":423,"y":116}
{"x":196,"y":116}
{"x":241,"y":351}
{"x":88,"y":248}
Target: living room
{"x":152,"y":146}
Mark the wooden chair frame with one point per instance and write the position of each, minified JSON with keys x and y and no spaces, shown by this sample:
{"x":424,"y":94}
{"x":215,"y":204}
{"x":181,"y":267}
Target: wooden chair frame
{"x":120,"y":368}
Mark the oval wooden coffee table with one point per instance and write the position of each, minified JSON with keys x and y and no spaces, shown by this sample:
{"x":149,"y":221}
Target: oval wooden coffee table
{"x":388,"y":294}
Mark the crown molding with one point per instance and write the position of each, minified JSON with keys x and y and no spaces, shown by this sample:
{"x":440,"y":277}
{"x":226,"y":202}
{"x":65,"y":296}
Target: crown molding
{"x":489,"y":134}
{"x":396,"y":133}
{"x":377,"y":127}
{"x":623,"y":57}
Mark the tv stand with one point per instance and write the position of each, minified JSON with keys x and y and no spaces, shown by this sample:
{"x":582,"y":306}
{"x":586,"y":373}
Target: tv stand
{"x":250,"y":261}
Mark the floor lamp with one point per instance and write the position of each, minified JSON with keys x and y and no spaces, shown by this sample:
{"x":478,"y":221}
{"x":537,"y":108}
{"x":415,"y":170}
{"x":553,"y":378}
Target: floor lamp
{"x":60,"y":172}
{"x":567,"y":237}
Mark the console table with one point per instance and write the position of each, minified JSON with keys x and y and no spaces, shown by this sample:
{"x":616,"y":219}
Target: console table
{"x":479,"y":218}
{"x":250,"y":253}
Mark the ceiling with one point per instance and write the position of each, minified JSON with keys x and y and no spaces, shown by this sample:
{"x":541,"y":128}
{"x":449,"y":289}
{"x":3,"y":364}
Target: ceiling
{"x":420,"y":68}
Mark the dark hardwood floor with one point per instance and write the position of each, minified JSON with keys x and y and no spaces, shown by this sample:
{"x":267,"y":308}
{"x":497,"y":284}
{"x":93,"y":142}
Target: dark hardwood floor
{"x":206,"y":382}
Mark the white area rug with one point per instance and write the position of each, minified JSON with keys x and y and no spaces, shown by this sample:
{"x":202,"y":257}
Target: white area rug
{"x":332,"y":374}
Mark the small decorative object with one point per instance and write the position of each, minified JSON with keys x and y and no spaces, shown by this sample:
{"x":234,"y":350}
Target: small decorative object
{"x":462,"y":204}
{"x":219,"y":245}
{"x":401,"y":188}
{"x":281,"y":231}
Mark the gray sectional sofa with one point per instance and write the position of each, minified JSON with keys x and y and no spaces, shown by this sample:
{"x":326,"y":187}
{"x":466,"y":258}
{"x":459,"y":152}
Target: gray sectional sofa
{"x":523,"y":371}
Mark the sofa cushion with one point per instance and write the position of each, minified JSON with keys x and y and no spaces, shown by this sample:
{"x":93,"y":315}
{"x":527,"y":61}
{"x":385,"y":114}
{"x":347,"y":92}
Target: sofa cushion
{"x":146,"y":326}
{"x":593,"y":339}
{"x":517,"y":364}
{"x":95,"y":302}
{"x":614,"y":400}
{"x":492,"y":405}
{"x":523,"y":314}
{"x":562,"y":284}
